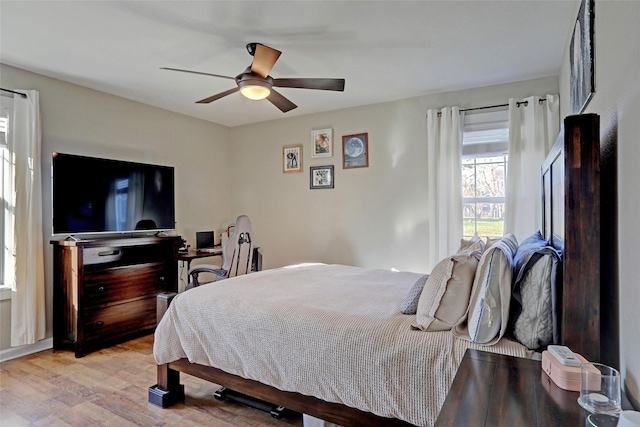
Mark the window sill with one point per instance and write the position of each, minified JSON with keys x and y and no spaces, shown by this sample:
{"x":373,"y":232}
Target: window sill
{"x":5,"y":293}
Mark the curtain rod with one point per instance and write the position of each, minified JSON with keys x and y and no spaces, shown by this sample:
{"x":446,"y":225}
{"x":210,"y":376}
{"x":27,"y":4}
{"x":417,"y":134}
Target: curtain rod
{"x":24,"y":95}
{"x":525,"y":103}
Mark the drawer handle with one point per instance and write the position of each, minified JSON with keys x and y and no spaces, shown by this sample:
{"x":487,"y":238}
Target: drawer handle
{"x":101,"y":289}
{"x":112,"y":252}
{"x":99,"y":323}
{"x":162,"y":279}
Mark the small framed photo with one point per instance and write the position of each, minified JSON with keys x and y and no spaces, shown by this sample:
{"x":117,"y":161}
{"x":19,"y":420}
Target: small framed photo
{"x":321,"y":177}
{"x":322,"y":141}
{"x":355,"y":151}
{"x":292,"y":158}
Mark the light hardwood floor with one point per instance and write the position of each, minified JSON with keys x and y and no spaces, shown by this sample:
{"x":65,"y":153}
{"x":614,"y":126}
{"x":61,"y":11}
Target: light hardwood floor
{"x":109,"y":388}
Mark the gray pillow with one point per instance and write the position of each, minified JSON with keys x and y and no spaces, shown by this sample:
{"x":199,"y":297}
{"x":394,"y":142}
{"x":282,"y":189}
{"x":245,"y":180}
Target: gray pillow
{"x":534,"y":303}
{"x":533,"y":327}
{"x":410,"y":304}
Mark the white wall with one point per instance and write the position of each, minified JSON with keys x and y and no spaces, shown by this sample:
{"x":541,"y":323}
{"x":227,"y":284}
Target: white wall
{"x":375,"y":216}
{"x":617,"y":101}
{"x":83,"y":121}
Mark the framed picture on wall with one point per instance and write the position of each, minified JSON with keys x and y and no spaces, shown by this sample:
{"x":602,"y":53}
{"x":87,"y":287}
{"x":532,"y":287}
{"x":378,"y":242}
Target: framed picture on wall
{"x":355,"y":151}
{"x":581,"y":59}
{"x":321,"y":177}
{"x":322,"y":143}
{"x":292,"y":158}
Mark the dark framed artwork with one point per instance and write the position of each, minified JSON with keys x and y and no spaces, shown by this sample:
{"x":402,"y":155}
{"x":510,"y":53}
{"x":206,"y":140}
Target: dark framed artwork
{"x":581,"y":59}
{"x":321,"y":177}
{"x":355,"y":151}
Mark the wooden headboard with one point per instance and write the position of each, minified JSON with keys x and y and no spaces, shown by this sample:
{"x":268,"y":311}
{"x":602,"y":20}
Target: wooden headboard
{"x":571,"y":223}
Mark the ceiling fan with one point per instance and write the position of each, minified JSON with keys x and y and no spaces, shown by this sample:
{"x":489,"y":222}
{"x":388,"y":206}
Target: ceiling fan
{"x":256,"y":83}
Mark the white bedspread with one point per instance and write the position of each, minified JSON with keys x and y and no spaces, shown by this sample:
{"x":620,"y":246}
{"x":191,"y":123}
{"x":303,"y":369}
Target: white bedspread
{"x":329,"y":331}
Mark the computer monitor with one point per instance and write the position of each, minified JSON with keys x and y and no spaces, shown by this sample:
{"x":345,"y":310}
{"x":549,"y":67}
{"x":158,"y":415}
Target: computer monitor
{"x":204,"y":239}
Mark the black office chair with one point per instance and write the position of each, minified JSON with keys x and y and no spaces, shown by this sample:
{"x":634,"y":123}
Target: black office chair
{"x":237,"y":255}
{"x":146,"y":224}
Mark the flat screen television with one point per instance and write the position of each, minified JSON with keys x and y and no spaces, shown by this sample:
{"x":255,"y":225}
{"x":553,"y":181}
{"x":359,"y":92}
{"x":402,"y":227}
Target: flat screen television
{"x":94,"y":195}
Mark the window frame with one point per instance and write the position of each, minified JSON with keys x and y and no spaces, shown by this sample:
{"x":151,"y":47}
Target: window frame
{"x":490,"y":140}
{"x":6,"y":171}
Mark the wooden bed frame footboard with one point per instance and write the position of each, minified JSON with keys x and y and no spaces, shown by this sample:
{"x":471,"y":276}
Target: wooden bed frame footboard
{"x":169,"y":391}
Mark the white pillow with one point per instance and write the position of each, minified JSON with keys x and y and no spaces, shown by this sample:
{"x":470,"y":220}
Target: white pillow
{"x":486,"y":319}
{"x":445,"y":296}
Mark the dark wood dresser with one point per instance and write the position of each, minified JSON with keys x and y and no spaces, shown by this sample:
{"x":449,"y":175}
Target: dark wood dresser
{"x":496,"y":390}
{"x":105,"y":290}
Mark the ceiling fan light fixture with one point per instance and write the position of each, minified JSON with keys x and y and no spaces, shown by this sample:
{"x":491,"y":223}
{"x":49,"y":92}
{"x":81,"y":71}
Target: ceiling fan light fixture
{"x":255,"y":92}
{"x":255,"y":83}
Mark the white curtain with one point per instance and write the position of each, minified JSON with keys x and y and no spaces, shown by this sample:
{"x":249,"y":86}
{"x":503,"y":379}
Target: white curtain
{"x":444,"y":149}
{"x":533,"y":128}
{"x":28,"y":296}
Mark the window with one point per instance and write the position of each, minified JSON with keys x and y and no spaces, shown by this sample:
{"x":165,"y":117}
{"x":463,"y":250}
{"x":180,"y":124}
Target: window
{"x":122,"y":194}
{"x":484,"y":172}
{"x":6,"y":186}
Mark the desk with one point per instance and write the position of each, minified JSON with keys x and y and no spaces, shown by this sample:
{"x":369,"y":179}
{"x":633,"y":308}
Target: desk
{"x":496,"y":390}
{"x":187,"y":257}
{"x":192,"y":254}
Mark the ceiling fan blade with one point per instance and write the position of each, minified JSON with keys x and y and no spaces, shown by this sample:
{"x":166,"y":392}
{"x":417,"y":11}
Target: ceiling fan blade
{"x":197,"y":72}
{"x":281,"y":102}
{"x":218,"y":96}
{"x":264,"y":60}
{"x":320,"y":84}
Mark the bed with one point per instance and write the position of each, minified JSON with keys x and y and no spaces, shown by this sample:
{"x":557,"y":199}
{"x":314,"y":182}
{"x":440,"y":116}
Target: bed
{"x":344,"y":352}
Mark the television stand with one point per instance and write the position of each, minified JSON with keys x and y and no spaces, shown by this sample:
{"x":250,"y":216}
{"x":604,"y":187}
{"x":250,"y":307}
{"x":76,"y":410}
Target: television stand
{"x":105,"y":290}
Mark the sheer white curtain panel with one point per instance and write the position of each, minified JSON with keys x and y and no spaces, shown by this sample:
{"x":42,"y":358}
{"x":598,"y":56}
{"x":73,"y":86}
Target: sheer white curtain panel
{"x":444,"y":150}
{"x":533,"y":128}
{"x":28,"y":318}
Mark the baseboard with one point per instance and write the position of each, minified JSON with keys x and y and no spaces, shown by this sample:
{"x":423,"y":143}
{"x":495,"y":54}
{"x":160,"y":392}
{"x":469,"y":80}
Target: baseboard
{"x":24,"y":350}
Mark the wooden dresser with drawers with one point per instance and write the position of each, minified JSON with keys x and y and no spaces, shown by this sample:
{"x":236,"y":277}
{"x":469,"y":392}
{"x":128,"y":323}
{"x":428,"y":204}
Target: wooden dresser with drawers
{"x":105,"y":289}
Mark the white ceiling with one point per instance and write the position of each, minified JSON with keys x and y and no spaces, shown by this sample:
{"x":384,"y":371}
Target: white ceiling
{"x":386,"y":50}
